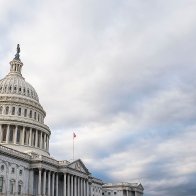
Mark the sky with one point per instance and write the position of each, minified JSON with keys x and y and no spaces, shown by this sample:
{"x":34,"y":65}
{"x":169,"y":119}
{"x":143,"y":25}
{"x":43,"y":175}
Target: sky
{"x":121,"y":75}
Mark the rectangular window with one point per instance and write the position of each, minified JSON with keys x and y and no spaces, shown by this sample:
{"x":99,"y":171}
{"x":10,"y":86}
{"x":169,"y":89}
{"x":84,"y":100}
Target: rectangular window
{"x":1,"y":184}
{"x":18,"y":136}
{"x":11,"y":187}
{"x":19,"y":189}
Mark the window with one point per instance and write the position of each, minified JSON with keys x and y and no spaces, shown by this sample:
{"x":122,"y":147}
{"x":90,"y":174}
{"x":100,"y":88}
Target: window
{"x":13,"y":110}
{"x":35,"y":115}
{"x":13,"y":170}
{"x":2,"y":167}
{"x":20,"y":172}
{"x":11,"y":187}
{"x":1,"y":184}
{"x":25,"y":113}
{"x":114,"y":193}
{"x":19,"y":111}
{"x":19,"y":189}
{"x":1,"y":110}
{"x":30,"y":114}
{"x":7,"y":110}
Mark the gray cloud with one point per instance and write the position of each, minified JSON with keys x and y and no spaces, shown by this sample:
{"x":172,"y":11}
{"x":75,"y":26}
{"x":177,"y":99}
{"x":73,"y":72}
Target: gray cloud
{"x":121,"y":74}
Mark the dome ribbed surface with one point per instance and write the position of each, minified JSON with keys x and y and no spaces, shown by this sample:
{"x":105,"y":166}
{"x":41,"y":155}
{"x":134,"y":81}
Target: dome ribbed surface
{"x":16,"y":85}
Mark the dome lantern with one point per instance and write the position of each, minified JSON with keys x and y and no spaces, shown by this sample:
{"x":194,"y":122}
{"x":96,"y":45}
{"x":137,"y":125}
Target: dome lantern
{"x":16,"y":64}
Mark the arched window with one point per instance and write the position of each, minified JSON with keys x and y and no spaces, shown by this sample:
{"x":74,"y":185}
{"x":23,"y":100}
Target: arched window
{"x":13,"y":110}
{"x":19,"y":111}
{"x":30,"y":114}
{"x":7,"y":110}
{"x":25,"y":113}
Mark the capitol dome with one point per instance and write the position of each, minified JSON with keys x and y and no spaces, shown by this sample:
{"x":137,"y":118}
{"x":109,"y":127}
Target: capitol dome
{"x":21,"y":115}
{"x":15,"y":84}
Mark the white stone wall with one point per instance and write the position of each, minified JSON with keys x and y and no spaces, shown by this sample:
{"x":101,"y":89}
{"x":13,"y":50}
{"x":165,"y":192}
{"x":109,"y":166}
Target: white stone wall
{"x":15,"y":171}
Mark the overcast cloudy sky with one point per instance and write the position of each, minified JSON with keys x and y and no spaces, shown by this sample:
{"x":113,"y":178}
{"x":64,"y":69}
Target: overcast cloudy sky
{"x":121,"y":75}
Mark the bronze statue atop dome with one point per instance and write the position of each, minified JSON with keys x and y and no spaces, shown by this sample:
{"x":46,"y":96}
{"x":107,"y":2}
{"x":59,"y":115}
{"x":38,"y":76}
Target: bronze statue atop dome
{"x":17,"y":55}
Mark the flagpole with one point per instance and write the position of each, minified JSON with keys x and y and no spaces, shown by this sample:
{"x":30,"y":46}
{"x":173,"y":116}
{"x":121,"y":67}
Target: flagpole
{"x":73,"y":146}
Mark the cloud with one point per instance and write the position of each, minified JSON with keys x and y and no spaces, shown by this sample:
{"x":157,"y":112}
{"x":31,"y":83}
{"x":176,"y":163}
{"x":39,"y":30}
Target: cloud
{"x":121,"y":74}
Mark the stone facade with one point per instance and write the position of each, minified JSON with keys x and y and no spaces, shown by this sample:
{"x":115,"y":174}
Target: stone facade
{"x":26,"y":167}
{"x":123,"y":189}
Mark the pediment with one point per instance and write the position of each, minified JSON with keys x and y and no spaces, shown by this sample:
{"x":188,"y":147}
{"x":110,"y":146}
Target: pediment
{"x":79,"y":166}
{"x":140,"y":187}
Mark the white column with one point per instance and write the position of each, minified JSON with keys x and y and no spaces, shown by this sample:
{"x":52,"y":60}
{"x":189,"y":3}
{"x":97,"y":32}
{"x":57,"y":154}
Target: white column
{"x":127,"y":193}
{"x":65,"y":182}
{"x":68,"y":185}
{"x":40,"y":181}
{"x":71,"y":185}
{"x":23,"y":133}
{"x":44,"y":183}
{"x":78,"y":186}
{"x":84,"y":185}
{"x":30,"y":137}
{"x":15,"y":134}
{"x":57,"y":184}
{"x":53,"y":184}
{"x":75,"y":187}
{"x":8,"y":134}
{"x":81,"y":187}
{"x":87,"y":189}
{"x":40,"y":140}
{"x":49,"y":183}
{"x":44,"y":141}
{"x":36,"y":138}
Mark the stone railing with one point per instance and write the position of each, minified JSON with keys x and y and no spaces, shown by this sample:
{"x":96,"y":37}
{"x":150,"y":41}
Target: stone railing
{"x":15,"y":153}
{"x":42,"y":158}
{"x":64,"y":162}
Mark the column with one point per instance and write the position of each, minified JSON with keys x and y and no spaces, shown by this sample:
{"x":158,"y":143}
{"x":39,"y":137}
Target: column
{"x":84,"y":185}
{"x":68,"y":185}
{"x":79,"y":194}
{"x":40,"y":140}
{"x":81,"y":188}
{"x":65,"y":182}
{"x":15,"y":134}
{"x":57,"y":184}
{"x":22,"y":136}
{"x":87,"y":189}
{"x":53,"y":184}
{"x":40,"y":181}
{"x":127,"y":193}
{"x":36,"y":137}
{"x":49,"y":183}
{"x":75,"y":187}
{"x":8,"y":134}
{"x":71,"y":185}
{"x":30,"y":137}
{"x":44,"y":183}
{"x":44,"y":141}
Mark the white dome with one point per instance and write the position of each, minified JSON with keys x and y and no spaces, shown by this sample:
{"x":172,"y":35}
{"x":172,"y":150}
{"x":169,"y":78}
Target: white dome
{"x":16,"y":85}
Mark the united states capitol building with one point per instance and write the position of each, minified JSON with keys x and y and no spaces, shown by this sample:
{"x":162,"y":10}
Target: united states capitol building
{"x":26,"y":167}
